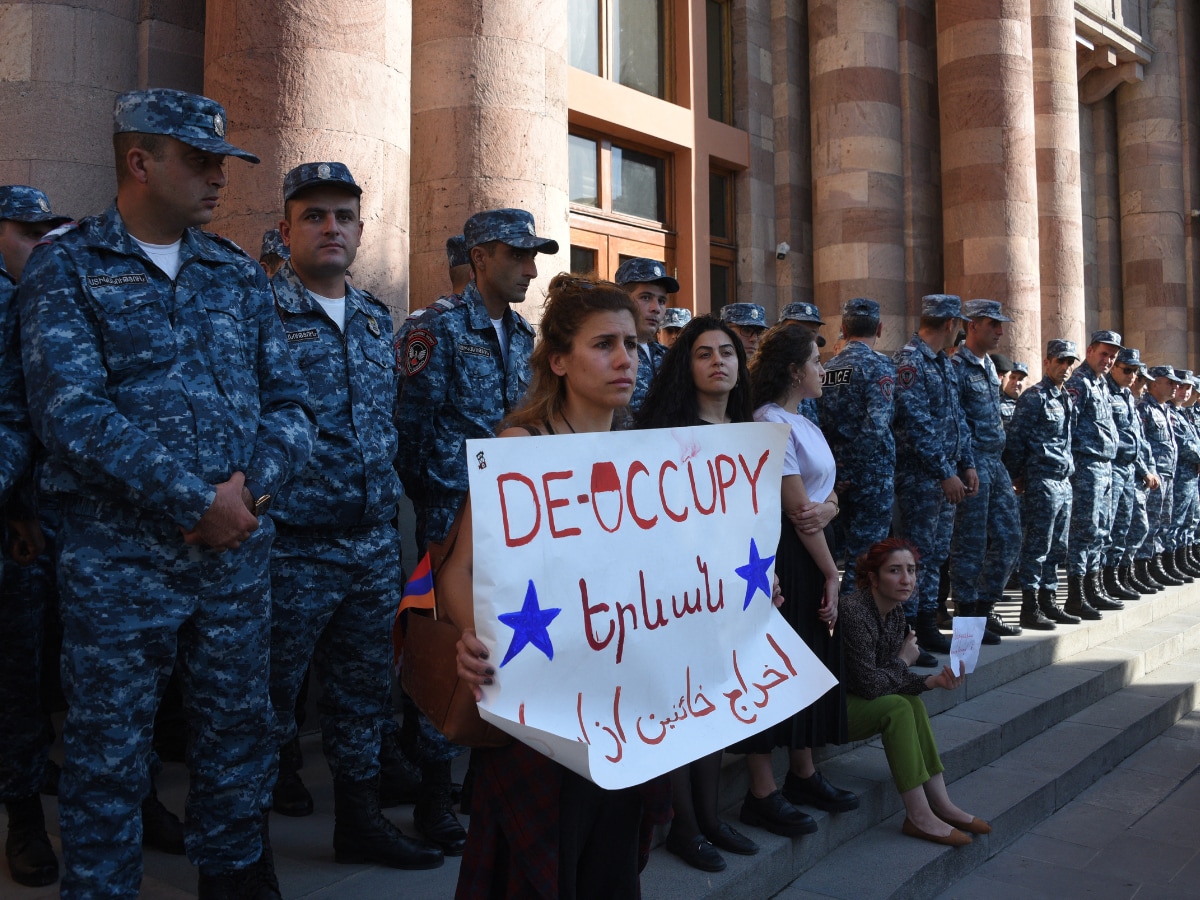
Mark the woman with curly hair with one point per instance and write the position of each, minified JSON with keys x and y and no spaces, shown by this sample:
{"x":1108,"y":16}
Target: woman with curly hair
{"x":702,"y":380}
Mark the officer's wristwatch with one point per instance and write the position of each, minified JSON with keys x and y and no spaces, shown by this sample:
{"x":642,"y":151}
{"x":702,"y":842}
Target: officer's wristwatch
{"x":260,"y":503}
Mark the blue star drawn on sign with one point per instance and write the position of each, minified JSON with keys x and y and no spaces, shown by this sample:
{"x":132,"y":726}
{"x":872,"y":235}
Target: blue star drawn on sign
{"x":529,"y":626}
{"x":755,"y":573}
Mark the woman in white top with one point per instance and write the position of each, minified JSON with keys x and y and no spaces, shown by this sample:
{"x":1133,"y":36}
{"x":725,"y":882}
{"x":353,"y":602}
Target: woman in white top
{"x":786,"y":370}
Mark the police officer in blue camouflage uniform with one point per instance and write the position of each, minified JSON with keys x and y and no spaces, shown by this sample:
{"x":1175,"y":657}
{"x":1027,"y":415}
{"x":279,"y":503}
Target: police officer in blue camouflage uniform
{"x":1094,"y":446}
{"x":25,"y":217}
{"x":673,"y":320}
{"x":987,"y":524}
{"x":857,"y":404}
{"x":647,"y":282}
{"x":161,"y":386}
{"x":935,"y":462}
{"x":335,"y":564}
{"x":1133,"y":475}
{"x":1192,"y":412}
{"x":807,"y":316}
{"x":1187,"y":472}
{"x":1037,"y":453}
{"x":1012,"y":383}
{"x":748,"y":321}
{"x":1157,"y":414}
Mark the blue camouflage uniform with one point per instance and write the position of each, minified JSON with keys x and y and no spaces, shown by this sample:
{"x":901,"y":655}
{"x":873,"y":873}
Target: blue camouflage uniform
{"x":1193,"y":416}
{"x":1094,"y":445}
{"x":1008,"y":407}
{"x":807,"y":312}
{"x":147,"y":392}
{"x":650,"y":357}
{"x":1187,"y":473}
{"x":933,"y":443}
{"x":987,"y":524}
{"x":857,"y":404}
{"x":632,"y":272}
{"x":455,"y":386}
{"x":1131,"y":465}
{"x":1037,"y":453}
{"x":335,"y":565}
{"x":1158,"y":426}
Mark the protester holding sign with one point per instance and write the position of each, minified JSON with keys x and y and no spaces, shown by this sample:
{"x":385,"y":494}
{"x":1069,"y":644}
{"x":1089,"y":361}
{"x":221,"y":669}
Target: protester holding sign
{"x":785,"y":370}
{"x":703,"y":380}
{"x":539,"y":829}
{"x":882,"y":692}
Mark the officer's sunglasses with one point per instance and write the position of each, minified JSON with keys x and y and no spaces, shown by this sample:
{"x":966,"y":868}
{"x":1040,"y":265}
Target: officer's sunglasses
{"x":1128,"y":370}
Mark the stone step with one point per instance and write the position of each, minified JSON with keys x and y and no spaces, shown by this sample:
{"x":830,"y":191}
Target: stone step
{"x":1027,"y":693}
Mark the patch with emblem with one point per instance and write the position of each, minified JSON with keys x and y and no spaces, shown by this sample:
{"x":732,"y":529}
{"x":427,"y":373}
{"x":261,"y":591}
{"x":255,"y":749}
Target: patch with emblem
{"x":323,"y":170}
{"x":835,"y":377}
{"x":117,"y":280}
{"x":417,"y":349}
{"x":219,"y":125}
{"x":474,"y":350}
{"x":906,"y":376}
{"x":308,"y":334}
{"x":886,"y":386}
{"x":373,"y":326}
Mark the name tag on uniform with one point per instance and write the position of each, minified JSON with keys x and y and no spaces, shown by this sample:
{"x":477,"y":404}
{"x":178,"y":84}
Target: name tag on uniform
{"x":308,"y":334}
{"x":475,"y":350}
{"x":117,"y":280}
{"x":835,"y":377}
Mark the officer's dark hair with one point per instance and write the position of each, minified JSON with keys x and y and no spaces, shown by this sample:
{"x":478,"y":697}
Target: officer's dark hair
{"x":860,"y":326}
{"x":933,"y":323}
{"x":771,"y":369}
{"x":124,"y":141}
{"x":671,"y":400}
{"x":869,"y":563}
{"x":570,"y":301}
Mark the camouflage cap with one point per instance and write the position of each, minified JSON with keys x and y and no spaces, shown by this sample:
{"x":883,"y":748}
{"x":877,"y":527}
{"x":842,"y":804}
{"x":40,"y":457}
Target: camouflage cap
{"x":1058,"y":348}
{"x":861,"y":306}
{"x":984,"y":309}
{"x":1129,"y":356}
{"x":1156,"y":372}
{"x":675,"y":317}
{"x":272,"y":242}
{"x":21,"y":203}
{"x":197,"y":121}
{"x":941,"y":306}
{"x":311,"y":174}
{"x":748,"y":315}
{"x":1019,"y":367}
{"x":514,"y":227}
{"x":456,"y":251}
{"x":801,"y":312}
{"x":640,"y":270}
{"x":1106,"y":337}
{"x":1184,"y":376}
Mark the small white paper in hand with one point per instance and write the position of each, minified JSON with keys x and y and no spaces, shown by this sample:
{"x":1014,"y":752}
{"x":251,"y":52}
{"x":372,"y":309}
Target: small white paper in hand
{"x":964,"y":648}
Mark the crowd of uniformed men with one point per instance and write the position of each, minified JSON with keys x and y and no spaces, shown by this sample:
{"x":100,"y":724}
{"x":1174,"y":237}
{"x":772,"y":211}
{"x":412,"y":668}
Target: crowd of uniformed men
{"x":160,"y":392}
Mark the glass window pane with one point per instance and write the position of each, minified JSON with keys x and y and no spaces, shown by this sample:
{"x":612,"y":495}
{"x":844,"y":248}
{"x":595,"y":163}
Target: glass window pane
{"x":582,"y":166}
{"x":717,"y":15}
{"x":718,"y":206}
{"x":721,"y":279}
{"x":638,"y":45}
{"x":583,"y":260}
{"x":584,"y":38}
{"x":638,"y":184}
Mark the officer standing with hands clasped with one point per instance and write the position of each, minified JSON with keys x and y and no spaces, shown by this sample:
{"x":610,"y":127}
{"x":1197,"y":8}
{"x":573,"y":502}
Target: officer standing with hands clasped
{"x":335,"y":565}
{"x":1157,"y":416}
{"x":171,"y":412}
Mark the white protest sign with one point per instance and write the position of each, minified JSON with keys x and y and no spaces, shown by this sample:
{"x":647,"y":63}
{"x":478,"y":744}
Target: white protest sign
{"x":964,"y":646}
{"x":623,"y":587}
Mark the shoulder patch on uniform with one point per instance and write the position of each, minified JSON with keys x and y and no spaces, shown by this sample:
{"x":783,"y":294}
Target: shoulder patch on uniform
{"x":887,"y":385}
{"x":473,"y":349}
{"x":906,"y":376}
{"x":835,"y":377}
{"x":308,"y":334}
{"x":417,"y":349}
{"x":55,"y":233}
{"x":117,"y":280}
{"x":1073,"y":390}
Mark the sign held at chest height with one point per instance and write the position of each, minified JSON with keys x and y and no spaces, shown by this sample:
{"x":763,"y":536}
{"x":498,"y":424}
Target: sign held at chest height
{"x":624,"y":582}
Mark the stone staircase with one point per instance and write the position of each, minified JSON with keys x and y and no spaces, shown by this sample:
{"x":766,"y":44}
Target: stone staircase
{"x":1044,"y":715}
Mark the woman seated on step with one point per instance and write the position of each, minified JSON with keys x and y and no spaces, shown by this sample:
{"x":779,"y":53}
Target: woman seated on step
{"x":882,"y":693}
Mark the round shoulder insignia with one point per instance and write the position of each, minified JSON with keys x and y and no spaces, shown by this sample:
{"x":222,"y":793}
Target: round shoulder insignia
{"x":906,"y":375}
{"x":417,"y":350}
{"x":886,"y":385}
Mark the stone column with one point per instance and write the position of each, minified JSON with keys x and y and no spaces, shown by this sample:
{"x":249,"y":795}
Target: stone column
{"x":857,"y":158}
{"x":989,"y":167}
{"x":1109,"y":307}
{"x":1059,"y":191}
{"x":61,"y":67}
{"x":489,"y":119}
{"x":1153,"y":214}
{"x":318,"y":80}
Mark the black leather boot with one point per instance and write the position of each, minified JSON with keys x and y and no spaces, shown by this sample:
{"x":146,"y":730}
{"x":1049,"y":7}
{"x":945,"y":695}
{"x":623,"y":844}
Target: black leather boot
{"x":1184,"y":565}
{"x":434,"y":813}
{"x":928,"y":636}
{"x":1094,"y":593}
{"x":361,"y":833}
{"x":1031,"y":616}
{"x":290,"y":797}
{"x":399,"y":779}
{"x":1128,"y":580}
{"x":1077,"y":604}
{"x":980,"y":610}
{"x":161,"y":828}
{"x":1163,"y":572}
{"x":255,"y":882}
{"x":1141,"y":569}
{"x":31,"y":858}
{"x":995,"y":624}
{"x":1112,"y":585}
{"x":1048,"y":604}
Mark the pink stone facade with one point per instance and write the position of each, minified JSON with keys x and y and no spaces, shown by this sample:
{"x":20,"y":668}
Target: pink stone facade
{"x":1044,"y":153}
